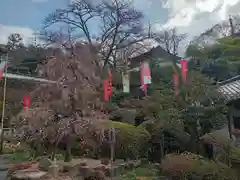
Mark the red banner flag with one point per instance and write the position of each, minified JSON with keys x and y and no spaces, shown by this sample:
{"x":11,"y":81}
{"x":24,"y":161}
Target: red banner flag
{"x":145,"y":73}
{"x":107,"y":85}
{"x":184,"y":69}
{"x":176,"y":84}
{"x":27,"y":102}
{"x":110,"y":88}
{"x":110,"y":78}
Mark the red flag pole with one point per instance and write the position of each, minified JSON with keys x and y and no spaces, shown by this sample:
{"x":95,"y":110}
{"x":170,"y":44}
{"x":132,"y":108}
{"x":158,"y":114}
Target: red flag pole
{"x":3,"y":108}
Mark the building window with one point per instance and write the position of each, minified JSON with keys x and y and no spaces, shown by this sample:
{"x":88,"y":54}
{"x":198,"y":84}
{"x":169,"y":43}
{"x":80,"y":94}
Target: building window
{"x":236,"y":122}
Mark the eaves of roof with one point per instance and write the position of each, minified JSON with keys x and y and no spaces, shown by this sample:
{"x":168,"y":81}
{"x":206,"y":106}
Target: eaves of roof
{"x":230,"y":89}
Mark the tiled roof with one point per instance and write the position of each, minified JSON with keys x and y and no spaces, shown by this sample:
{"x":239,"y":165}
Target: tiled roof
{"x":230,"y":89}
{"x":28,"y":78}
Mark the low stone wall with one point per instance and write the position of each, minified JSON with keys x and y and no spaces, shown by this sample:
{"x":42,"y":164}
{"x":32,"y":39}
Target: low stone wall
{"x":116,"y":169}
{"x":76,"y":169}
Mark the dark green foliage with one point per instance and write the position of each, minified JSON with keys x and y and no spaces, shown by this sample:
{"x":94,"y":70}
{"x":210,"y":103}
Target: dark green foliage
{"x":179,"y":118}
{"x":194,"y":167}
{"x":146,"y":171}
{"x":130,"y":140}
{"x":219,"y":61}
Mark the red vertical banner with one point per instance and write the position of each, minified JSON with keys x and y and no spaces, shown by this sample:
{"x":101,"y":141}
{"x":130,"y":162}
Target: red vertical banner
{"x":110,"y":78}
{"x":109,"y":89}
{"x":107,"y":85}
{"x":142,"y":73}
{"x":145,"y":73}
{"x":176,"y":84}
{"x":184,"y":70}
{"x":106,"y":90}
{"x":26,"y":102}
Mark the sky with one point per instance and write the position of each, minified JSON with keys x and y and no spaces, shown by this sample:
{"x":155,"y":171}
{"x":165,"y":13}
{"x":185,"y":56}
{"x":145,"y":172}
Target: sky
{"x":188,"y":16}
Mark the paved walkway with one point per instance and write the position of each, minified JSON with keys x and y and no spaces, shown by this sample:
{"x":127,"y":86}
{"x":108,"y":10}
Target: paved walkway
{"x":92,"y":163}
{"x":4,"y":164}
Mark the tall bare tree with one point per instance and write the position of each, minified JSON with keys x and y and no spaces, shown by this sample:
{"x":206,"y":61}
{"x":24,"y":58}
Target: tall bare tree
{"x":120,"y":24}
{"x":169,"y":39}
{"x":77,"y":14}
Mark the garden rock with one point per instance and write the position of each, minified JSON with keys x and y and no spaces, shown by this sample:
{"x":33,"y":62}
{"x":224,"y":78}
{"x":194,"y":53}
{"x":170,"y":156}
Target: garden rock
{"x":131,"y":164}
{"x":54,"y":170}
{"x":137,"y":163}
{"x":84,"y":171}
{"x":28,"y":175}
{"x":105,"y":161}
{"x":44,"y":164}
{"x":68,"y":166}
{"x":98,"y":175}
{"x":144,"y":161}
{"x":121,"y":168}
{"x":99,"y":168}
{"x":112,"y":170}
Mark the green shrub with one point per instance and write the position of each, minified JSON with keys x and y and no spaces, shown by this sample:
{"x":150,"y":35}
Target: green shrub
{"x":146,"y":172}
{"x":21,"y":156}
{"x":192,"y":166}
{"x":130,"y":140}
{"x":234,"y":154}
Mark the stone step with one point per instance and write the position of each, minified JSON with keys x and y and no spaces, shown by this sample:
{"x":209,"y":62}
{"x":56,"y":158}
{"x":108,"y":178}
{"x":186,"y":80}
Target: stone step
{"x":3,"y":167}
{"x":3,"y":175}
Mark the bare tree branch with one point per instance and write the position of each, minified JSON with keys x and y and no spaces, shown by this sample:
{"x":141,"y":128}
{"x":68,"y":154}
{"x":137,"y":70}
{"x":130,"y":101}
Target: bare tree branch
{"x":120,"y":23}
{"x":169,"y":39}
{"x":76,"y":14}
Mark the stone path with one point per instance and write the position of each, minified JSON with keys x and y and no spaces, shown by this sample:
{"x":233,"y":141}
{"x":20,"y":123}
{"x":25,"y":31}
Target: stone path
{"x":92,"y":163}
{"x":3,"y":166}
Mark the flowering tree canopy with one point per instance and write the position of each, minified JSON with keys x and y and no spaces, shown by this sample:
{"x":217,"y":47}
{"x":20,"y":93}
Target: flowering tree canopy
{"x":71,"y":107}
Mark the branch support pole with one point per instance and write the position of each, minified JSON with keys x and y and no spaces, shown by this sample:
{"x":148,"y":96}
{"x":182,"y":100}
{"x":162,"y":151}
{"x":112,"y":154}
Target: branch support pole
{"x":112,"y":136}
{"x":3,"y":111}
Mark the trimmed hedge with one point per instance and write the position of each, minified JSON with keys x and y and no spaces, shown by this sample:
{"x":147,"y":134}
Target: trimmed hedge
{"x":195,"y":167}
{"x":130,"y":140}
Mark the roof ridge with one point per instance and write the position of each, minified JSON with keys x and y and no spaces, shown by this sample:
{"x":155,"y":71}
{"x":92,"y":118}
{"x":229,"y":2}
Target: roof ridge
{"x":235,"y":78}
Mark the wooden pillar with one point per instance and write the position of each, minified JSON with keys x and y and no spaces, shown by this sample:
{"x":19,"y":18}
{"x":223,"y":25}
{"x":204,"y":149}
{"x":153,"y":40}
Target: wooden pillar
{"x":230,"y":122}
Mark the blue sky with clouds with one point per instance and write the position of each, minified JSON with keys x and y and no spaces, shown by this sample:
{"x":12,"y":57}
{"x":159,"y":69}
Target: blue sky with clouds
{"x":27,"y":13}
{"x":30,"y":13}
{"x":188,"y":16}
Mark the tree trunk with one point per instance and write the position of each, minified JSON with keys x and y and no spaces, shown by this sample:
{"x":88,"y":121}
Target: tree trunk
{"x":2,"y":142}
{"x":54,"y":152}
{"x":162,"y":147}
{"x":68,"y":150}
{"x":38,"y":150}
{"x":193,"y":144}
